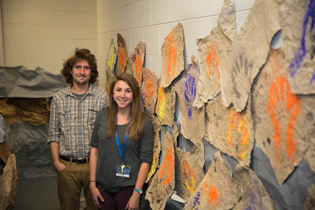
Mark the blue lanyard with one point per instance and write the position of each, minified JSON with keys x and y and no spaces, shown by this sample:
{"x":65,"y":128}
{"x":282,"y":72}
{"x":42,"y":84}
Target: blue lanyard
{"x":121,"y":151}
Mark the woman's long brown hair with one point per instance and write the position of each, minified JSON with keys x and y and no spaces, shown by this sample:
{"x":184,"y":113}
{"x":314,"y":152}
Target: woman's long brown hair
{"x":135,"y":127}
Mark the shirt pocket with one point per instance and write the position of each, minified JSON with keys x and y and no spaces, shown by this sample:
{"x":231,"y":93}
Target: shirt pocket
{"x":91,"y":115}
{"x":65,"y":118}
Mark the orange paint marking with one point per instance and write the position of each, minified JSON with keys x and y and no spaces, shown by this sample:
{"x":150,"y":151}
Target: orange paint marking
{"x":244,"y":139}
{"x":149,"y":88}
{"x":212,"y":194}
{"x":107,"y":89}
{"x":139,"y":69}
{"x":188,"y":173}
{"x":231,"y":126}
{"x":169,"y":165}
{"x":226,"y":182}
{"x":171,"y":60}
{"x":213,"y":59}
{"x":172,"y":57}
{"x":121,"y":58}
{"x":283,"y":106}
{"x":237,"y":122}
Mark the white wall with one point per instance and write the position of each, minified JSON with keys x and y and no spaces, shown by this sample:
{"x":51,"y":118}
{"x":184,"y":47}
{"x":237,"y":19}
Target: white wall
{"x":43,"y":33}
{"x":1,"y":38}
{"x":151,"y":21}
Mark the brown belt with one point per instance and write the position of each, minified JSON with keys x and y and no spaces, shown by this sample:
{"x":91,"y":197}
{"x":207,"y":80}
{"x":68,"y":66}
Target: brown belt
{"x":73,"y":160}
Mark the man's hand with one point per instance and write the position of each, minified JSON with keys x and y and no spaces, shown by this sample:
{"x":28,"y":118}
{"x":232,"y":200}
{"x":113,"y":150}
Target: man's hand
{"x":59,"y":166}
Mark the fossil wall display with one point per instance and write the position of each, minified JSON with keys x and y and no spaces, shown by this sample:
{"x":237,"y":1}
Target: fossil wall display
{"x":251,"y":104}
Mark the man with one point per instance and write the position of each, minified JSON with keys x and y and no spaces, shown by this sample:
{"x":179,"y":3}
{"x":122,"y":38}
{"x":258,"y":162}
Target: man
{"x":72,"y":115}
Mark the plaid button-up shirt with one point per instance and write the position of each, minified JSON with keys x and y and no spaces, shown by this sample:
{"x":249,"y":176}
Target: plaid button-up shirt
{"x":72,"y":120}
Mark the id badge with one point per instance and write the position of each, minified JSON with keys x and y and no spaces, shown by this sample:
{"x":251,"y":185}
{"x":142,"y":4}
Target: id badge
{"x":123,"y":171}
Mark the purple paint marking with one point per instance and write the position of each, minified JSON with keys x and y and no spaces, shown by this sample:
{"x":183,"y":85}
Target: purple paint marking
{"x":254,"y":197}
{"x":251,"y":206}
{"x":313,"y":77}
{"x":190,"y":93}
{"x":228,"y":12}
{"x":301,"y":52}
{"x":142,"y":101}
{"x":196,"y":201}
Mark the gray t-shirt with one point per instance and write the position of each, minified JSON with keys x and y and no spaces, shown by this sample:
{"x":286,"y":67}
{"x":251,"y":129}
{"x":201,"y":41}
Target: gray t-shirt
{"x":3,"y":129}
{"x":136,"y":152}
{"x":79,"y":96}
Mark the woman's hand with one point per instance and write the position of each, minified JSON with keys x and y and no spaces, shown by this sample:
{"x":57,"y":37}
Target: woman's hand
{"x":96,"y":194}
{"x":133,"y":203}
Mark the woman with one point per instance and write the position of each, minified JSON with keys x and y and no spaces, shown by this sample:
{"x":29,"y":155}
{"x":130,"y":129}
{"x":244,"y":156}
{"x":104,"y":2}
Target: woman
{"x":121,"y":148}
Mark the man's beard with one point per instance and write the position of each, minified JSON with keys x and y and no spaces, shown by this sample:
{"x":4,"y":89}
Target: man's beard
{"x":80,"y":82}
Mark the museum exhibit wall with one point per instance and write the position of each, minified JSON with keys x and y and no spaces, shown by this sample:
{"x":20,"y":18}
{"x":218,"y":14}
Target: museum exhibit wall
{"x":150,"y":21}
{"x":229,"y":87}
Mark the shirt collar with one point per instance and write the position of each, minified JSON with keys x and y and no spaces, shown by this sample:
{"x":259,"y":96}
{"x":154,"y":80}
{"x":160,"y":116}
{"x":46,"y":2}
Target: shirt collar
{"x":89,"y":92}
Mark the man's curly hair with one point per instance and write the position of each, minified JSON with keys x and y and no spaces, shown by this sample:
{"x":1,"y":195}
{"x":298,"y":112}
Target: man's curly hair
{"x":80,"y":54}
